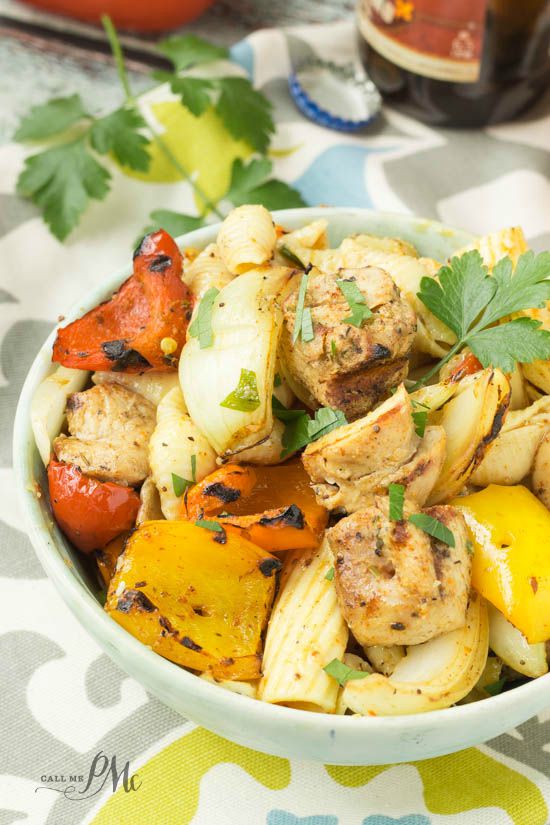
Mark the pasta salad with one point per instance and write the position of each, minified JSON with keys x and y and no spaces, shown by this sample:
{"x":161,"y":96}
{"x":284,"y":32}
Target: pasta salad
{"x":317,"y":476}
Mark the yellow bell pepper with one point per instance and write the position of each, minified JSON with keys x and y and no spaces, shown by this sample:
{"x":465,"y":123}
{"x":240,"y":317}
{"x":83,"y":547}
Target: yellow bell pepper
{"x":510,"y":531}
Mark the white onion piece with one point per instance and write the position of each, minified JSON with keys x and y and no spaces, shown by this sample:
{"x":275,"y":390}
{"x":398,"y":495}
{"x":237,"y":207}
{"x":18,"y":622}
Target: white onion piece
{"x":432,"y":675}
{"x":48,"y":406}
{"x":246,"y":326}
{"x":174,"y":442}
{"x":512,"y":647}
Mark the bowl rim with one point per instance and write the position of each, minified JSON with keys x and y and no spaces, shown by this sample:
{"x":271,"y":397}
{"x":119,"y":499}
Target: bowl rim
{"x":111,"y":636}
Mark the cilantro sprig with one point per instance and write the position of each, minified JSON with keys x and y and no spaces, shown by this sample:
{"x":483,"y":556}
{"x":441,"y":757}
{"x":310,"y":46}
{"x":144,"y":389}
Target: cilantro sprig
{"x":342,"y":673}
{"x":63,"y":179}
{"x":302,"y":430}
{"x":356,"y":301}
{"x":471,"y":302}
{"x":433,"y":527}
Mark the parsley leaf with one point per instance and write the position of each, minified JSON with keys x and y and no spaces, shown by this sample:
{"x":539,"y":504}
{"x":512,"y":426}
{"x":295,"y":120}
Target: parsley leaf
{"x":51,"y":118}
{"x":250,"y":184}
{"x":494,"y":688}
{"x":201,"y":327}
{"x":119,"y":133}
{"x":307,"y":326}
{"x":61,"y":181}
{"x":283,"y":413}
{"x":506,"y":344}
{"x":295,"y":435}
{"x":525,"y":287}
{"x":180,"y":485}
{"x":343,"y":673}
{"x":302,"y":430}
{"x":433,"y":527}
{"x":396,"y":494}
{"x":420,"y":418}
{"x":175,"y":223}
{"x":326,"y":419}
{"x":300,"y":312}
{"x":356,"y":301}
{"x":246,"y":113}
{"x":194,"y":92}
{"x":209,"y":525}
{"x":330,"y":574}
{"x":190,"y":50}
{"x":244,"y":397}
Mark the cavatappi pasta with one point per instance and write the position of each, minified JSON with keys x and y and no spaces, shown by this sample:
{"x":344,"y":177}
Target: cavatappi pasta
{"x":295,"y":463}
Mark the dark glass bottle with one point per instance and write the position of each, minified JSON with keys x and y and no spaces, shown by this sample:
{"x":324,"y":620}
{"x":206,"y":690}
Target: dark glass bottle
{"x":457,"y":62}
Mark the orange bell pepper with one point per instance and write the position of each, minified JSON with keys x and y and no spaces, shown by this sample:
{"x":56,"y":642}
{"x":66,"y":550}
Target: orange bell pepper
{"x":275,"y":507}
{"x":91,"y":513}
{"x":107,"y":557}
{"x":197,"y":597}
{"x":125,"y":333}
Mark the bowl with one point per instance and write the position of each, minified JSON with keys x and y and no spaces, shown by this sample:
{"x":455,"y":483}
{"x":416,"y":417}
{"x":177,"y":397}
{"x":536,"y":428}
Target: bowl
{"x":286,"y":732}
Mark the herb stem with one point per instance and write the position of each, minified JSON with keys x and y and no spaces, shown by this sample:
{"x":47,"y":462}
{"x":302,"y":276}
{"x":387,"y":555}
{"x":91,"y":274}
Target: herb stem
{"x":421,"y":381}
{"x":116,"y":49}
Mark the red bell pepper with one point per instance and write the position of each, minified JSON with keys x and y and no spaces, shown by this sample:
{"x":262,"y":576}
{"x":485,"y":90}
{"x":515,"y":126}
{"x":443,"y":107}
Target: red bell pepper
{"x":125,"y":333}
{"x":91,"y":513}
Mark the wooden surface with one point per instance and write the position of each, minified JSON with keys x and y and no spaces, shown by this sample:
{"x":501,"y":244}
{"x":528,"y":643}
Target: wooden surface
{"x":43,"y":55}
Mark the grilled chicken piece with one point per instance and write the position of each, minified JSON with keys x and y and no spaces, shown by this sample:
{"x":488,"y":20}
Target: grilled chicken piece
{"x":348,"y":367}
{"x":109,"y":428}
{"x":395,"y":583}
{"x":353,"y":463}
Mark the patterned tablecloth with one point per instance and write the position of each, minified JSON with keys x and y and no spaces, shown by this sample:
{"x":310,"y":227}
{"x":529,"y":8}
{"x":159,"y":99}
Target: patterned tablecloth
{"x":62,"y":700}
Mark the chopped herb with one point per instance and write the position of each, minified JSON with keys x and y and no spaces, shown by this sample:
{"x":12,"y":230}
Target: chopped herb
{"x":397,"y":497}
{"x":302,"y":430}
{"x":333,"y":349}
{"x":342,"y":673}
{"x":303,"y":325}
{"x":194,"y":468}
{"x":244,"y":397}
{"x":495,"y":688}
{"x":295,"y":435}
{"x":330,"y":574}
{"x":356,"y":301}
{"x":470,"y":547}
{"x":277,"y":380}
{"x":433,"y":527}
{"x":209,"y":525}
{"x":420,"y":419}
{"x":180,"y":484}
{"x":283,"y":413}
{"x":326,"y":419}
{"x":201,"y":327}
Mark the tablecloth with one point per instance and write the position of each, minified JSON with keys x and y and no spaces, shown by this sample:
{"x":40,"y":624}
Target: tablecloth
{"x":62,"y":701}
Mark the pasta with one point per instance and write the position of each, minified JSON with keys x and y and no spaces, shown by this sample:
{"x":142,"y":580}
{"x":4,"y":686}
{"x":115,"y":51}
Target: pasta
{"x":173,"y":444}
{"x":306,"y":631}
{"x":207,"y":270}
{"x":246,"y":239}
{"x":152,"y":385}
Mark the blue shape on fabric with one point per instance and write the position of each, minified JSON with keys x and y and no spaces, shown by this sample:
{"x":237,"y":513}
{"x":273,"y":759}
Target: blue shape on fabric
{"x":410,"y":819}
{"x":286,"y":818}
{"x":337,"y":177}
{"x":243,"y":54}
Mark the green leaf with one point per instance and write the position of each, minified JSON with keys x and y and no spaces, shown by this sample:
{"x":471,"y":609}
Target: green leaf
{"x":209,"y":525}
{"x":526,"y":287}
{"x":51,"y":118}
{"x":277,"y":381}
{"x":330,"y":574}
{"x":180,"y":485}
{"x":342,"y":673}
{"x":283,"y":413}
{"x":462,"y":292}
{"x":295,"y":435}
{"x":356,"y":302}
{"x":201,"y":327}
{"x":333,"y":349}
{"x":307,"y":326}
{"x":244,"y":397}
{"x":494,"y":688}
{"x":194,"y":468}
{"x":246,"y":113}
{"x":61,"y":181}
{"x":175,"y":223}
{"x":326,"y":419}
{"x":396,"y":494}
{"x":190,"y":50}
{"x":420,"y":418}
{"x":299,"y":318}
{"x":120,"y":134}
{"x":247,"y":176}
{"x":273,"y":194}
{"x":433,"y":527}
{"x":504,"y":345}
{"x":194,"y":92}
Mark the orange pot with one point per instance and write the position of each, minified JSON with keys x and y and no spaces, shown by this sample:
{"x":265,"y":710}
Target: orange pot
{"x":139,"y":15}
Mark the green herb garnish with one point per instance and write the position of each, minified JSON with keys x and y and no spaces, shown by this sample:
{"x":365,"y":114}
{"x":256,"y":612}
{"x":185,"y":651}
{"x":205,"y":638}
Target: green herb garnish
{"x":303,"y":326}
{"x":302,"y":430}
{"x":333,"y":349}
{"x":209,"y":525}
{"x":420,"y":418}
{"x":330,"y":574}
{"x":342,"y":673}
{"x":433,"y":527}
{"x":201,"y":327}
{"x":326,"y":419}
{"x":277,"y":381}
{"x":494,"y":688}
{"x":470,"y":301}
{"x":180,"y":484}
{"x":396,"y":493}
{"x":356,"y":301}
{"x":244,"y":397}
{"x":283,"y":413}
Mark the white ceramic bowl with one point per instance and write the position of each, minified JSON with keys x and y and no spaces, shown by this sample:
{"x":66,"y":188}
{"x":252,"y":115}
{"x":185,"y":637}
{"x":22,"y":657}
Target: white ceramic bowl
{"x":343,"y":740}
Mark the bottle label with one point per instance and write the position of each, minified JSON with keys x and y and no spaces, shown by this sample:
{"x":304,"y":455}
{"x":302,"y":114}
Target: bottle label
{"x":435,"y":38}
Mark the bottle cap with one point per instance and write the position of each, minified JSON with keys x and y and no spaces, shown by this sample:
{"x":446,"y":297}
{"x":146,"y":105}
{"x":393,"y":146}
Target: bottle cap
{"x":341,"y":97}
